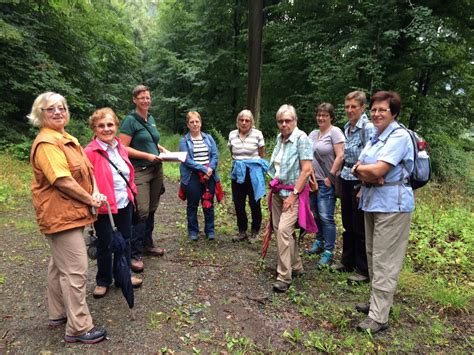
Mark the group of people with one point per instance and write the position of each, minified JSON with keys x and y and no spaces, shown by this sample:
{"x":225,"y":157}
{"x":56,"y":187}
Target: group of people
{"x":74,"y":187}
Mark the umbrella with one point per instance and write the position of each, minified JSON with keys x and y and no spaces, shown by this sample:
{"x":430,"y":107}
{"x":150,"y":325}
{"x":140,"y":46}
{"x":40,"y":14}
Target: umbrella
{"x":267,"y":238}
{"x":122,"y":273}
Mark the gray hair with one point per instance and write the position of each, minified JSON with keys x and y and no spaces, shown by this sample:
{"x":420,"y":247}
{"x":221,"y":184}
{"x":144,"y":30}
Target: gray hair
{"x":245,"y":113}
{"x":284,"y":109}
{"x":36,"y":116}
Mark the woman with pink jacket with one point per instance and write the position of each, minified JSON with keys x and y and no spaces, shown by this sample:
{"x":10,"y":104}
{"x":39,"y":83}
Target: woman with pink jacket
{"x":115,"y":178}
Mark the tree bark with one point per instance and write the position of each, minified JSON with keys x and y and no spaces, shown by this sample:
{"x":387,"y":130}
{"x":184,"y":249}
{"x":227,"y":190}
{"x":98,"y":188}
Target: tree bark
{"x":255,"y":57}
{"x":235,"y":65}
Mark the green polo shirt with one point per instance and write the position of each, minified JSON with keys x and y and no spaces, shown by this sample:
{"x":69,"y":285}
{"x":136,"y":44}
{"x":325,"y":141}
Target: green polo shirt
{"x":141,"y":138}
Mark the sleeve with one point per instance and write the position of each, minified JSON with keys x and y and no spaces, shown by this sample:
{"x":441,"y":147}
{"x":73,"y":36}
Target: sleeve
{"x":228,"y":141}
{"x":305,"y":148}
{"x":214,"y":155}
{"x":52,"y":161}
{"x":261,"y":140}
{"x":396,"y":148}
{"x":127,"y":127}
{"x":190,"y":162}
{"x":337,"y":136}
{"x":369,"y":132}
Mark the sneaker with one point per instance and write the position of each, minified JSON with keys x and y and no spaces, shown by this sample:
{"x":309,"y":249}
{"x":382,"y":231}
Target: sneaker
{"x":371,"y":325}
{"x":357,"y":279}
{"x":193,"y":237}
{"x":93,"y":336}
{"x":137,"y":265}
{"x":211,"y":236}
{"x":241,"y":237}
{"x":280,"y":286}
{"x":363,"y":307}
{"x":326,"y":260}
{"x":136,"y":282}
{"x":316,"y":248}
{"x":53,"y":323}
{"x":100,"y":291}
{"x":340,"y":267}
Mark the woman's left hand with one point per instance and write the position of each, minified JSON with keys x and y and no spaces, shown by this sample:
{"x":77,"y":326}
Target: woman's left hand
{"x":99,"y":198}
{"x":289,"y":202}
{"x":209,"y":172}
{"x":327,"y":182}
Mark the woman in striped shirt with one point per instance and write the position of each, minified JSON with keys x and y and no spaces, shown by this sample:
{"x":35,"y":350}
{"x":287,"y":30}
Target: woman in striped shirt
{"x":198,"y":175}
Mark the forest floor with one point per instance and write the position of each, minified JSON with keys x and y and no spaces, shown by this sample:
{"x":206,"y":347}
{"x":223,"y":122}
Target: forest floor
{"x":212,"y":297}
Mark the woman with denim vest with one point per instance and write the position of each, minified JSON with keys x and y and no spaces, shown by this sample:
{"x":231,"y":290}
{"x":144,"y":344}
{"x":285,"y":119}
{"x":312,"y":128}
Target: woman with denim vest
{"x":198,"y":175}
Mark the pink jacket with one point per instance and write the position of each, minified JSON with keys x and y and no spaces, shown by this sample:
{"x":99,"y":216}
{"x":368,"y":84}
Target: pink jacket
{"x":103,"y":174}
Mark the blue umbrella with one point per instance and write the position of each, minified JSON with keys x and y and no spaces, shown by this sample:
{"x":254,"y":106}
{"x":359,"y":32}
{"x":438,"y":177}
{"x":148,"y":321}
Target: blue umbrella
{"x":122,"y":274}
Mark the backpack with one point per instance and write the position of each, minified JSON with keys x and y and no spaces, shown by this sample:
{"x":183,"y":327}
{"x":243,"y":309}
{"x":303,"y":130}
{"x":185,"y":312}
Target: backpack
{"x":421,"y":173}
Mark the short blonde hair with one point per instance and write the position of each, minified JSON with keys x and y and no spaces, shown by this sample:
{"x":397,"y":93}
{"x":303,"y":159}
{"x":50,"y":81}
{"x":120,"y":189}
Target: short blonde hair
{"x":245,"y":113}
{"x":36,"y":116}
{"x":101,"y":113}
{"x":193,"y":114}
{"x":284,"y":109}
{"x":357,"y":95}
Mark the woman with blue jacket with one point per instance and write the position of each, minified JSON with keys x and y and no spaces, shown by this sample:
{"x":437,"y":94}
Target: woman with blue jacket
{"x":198,"y":175}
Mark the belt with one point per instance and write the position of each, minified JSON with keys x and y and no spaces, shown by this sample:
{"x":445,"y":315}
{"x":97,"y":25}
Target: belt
{"x":348,"y":165}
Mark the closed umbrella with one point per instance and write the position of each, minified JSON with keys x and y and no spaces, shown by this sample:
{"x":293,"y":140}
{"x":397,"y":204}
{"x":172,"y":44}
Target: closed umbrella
{"x":122,"y":273}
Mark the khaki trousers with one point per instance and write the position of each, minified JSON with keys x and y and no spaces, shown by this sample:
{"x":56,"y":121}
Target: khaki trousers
{"x":284,"y":227}
{"x":386,"y":238}
{"x":67,"y":273}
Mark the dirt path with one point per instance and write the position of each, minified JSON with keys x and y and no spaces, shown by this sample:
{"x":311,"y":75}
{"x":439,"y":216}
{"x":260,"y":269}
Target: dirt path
{"x":200,"y":297}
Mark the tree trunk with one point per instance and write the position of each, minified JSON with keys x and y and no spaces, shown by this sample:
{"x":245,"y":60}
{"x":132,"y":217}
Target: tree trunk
{"x":235,"y":66}
{"x":255,"y":57}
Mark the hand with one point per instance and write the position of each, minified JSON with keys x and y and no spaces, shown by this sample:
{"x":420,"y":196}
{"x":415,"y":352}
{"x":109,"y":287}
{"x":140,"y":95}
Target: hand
{"x":358,"y":195}
{"x":98,"y":199}
{"x":289,"y":202}
{"x":354,"y":170}
{"x":380,"y":180}
{"x":209,"y":172}
{"x":152,"y":158}
{"x":327,"y":182}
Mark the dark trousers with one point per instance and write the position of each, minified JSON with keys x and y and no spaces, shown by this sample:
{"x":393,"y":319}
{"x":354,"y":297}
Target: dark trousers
{"x":106,"y":263}
{"x":149,"y":183}
{"x":194,"y":191}
{"x":353,"y":237}
{"x":240,"y":192}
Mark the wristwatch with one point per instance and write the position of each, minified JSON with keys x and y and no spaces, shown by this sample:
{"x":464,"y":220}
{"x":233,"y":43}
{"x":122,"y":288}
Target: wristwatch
{"x":295,"y":191}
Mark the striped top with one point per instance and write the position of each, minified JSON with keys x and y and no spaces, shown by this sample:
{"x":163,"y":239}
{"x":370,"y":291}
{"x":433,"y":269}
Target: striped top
{"x":201,"y":152}
{"x":246,"y":148}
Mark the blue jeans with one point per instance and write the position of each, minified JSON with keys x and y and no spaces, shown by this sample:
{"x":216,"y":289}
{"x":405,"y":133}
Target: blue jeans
{"x":194,"y":191}
{"x":106,"y":264}
{"x":323,"y":204}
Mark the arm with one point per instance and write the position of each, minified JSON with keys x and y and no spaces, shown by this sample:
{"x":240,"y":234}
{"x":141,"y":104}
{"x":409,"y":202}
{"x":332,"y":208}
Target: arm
{"x":306,"y":169}
{"x":336,"y":166}
{"x":189,"y":162}
{"x":371,"y":173}
{"x":71,"y":188}
{"x":162,"y":149}
{"x":137,"y":154}
{"x":261,"y":152}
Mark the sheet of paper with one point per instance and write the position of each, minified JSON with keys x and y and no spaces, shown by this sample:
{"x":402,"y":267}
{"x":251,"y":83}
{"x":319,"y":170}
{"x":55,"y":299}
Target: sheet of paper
{"x":174,"y":156}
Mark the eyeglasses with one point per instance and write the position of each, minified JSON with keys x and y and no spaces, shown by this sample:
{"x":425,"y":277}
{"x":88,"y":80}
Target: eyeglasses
{"x":52,"y":110}
{"x":144,"y":98}
{"x":379,"y":110}
{"x":102,"y":126}
{"x":287,"y":121}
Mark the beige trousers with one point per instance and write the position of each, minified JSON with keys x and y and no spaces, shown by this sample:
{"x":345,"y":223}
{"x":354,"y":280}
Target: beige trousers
{"x":284,"y":227}
{"x":67,"y":273}
{"x":386,"y":239}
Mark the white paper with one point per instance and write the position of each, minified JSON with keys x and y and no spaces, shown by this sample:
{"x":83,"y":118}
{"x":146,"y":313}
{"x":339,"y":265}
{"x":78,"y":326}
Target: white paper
{"x":174,"y":156}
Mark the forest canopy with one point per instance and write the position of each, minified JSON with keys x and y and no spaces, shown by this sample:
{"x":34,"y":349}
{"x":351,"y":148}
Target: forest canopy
{"x":194,"y":55}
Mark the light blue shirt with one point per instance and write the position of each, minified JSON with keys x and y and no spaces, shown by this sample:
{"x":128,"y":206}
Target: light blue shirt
{"x":393,"y":146}
{"x":296,"y":148}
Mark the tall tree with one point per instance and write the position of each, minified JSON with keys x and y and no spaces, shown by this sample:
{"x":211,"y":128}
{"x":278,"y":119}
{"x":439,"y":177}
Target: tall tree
{"x":255,"y":57}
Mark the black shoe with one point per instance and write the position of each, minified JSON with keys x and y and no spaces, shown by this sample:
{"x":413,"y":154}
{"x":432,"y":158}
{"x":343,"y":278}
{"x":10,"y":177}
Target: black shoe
{"x":93,"y":336}
{"x":363,"y":307}
{"x":371,"y":325}
{"x":53,"y":323}
{"x":241,"y":237}
{"x":280,"y":286}
{"x":357,"y":279}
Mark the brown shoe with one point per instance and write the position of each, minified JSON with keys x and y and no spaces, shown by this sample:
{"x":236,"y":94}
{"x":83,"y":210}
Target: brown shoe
{"x":137,"y":265}
{"x":100,"y":291}
{"x":371,"y":325}
{"x":154,"y":251}
{"x":242,"y":236}
{"x":136,"y":282}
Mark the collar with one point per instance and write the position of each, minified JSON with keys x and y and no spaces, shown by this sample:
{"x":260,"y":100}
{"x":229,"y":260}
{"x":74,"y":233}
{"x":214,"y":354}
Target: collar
{"x":387,"y":131}
{"x":104,"y":145}
{"x":360,"y":122}
{"x":293,"y":136}
{"x":59,"y":135}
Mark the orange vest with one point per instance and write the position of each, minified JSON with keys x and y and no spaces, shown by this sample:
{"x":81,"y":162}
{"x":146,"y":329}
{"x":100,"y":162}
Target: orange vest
{"x":55,"y":211}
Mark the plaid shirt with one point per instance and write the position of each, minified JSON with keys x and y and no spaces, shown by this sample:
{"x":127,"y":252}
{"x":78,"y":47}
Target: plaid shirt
{"x":355,"y":144}
{"x":298,"y":147}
